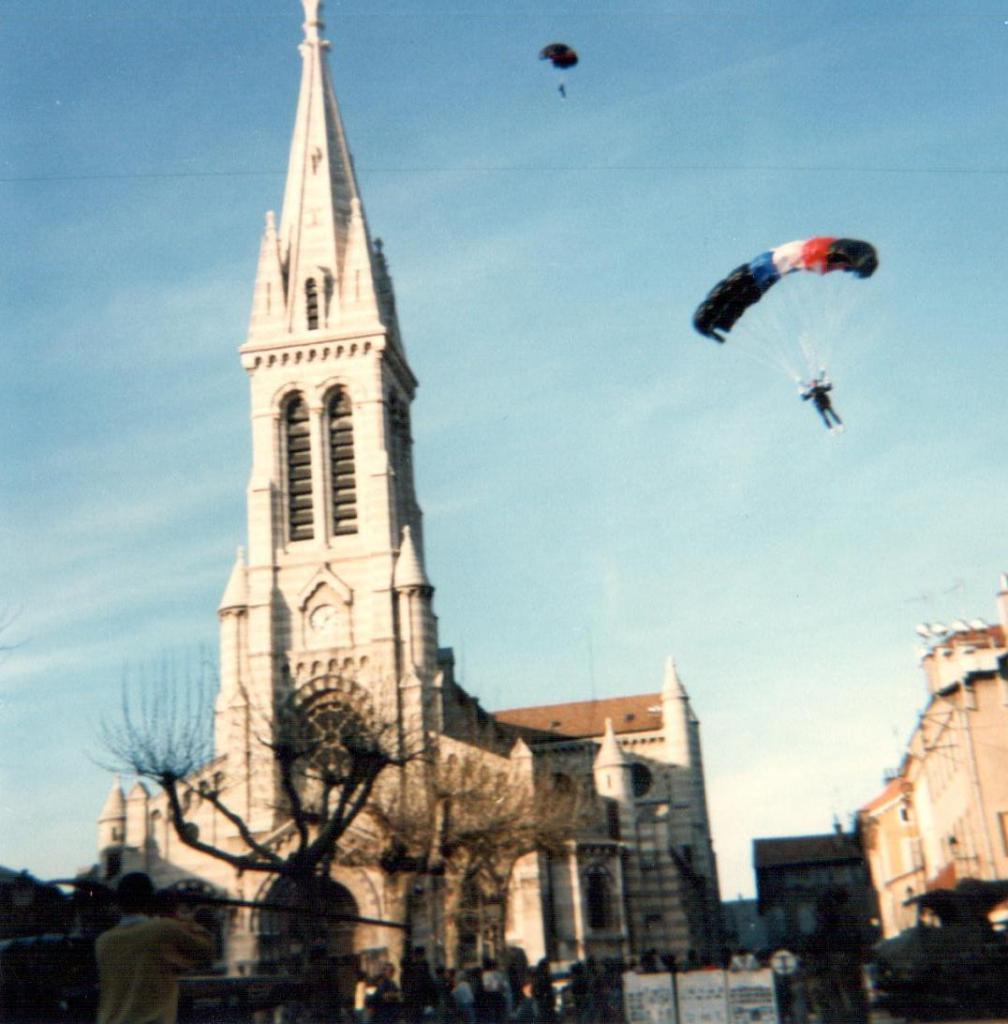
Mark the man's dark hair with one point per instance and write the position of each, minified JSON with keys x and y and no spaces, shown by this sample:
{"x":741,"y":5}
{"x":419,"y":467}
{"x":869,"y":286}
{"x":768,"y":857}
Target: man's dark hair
{"x":135,"y":892}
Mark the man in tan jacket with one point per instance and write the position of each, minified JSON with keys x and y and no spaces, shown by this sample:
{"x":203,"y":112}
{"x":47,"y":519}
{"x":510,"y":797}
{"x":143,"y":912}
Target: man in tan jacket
{"x":140,"y":958}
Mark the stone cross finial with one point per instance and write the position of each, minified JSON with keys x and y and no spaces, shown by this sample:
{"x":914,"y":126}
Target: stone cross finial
{"x":313,"y":20}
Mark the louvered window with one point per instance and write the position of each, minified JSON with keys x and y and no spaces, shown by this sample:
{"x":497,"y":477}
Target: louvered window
{"x":400,"y":453}
{"x":341,"y":464}
{"x":311,"y":303}
{"x":299,"y":488}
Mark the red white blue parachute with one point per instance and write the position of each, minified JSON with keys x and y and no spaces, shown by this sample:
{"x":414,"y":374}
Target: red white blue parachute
{"x":747,"y":284}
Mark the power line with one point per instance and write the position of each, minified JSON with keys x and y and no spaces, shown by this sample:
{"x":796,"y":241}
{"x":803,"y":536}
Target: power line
{"x":990,"y":171}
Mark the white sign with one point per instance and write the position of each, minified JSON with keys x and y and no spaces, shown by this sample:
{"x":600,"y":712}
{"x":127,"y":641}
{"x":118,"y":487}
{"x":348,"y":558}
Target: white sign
{"x":649,"y":999}
{"x":702,"y":997}
{"x":751,"y":998}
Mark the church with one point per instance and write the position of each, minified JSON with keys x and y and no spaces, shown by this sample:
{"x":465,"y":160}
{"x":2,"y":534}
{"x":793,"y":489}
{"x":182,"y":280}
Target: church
{"x":334,"y":582}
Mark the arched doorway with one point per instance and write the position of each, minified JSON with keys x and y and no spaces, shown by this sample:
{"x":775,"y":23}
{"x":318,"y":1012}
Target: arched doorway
{"x":316,"y":942}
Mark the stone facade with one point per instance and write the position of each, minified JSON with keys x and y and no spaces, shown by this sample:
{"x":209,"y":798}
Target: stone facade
{"x":944,"y":815}
{"x":334,"y":582}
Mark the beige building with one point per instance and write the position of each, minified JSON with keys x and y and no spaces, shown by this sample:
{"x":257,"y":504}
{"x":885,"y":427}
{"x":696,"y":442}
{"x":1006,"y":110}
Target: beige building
{"x":334,"y":582}
{"x":944,"y":817}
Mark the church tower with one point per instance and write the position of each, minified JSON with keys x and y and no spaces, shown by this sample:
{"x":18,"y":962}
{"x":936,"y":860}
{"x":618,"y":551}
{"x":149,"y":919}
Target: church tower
{"x":332,"y":510}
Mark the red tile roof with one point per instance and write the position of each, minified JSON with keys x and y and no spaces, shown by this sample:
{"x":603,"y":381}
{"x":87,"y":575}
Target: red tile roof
{"x":892,"y":790}
{"x":639,"y":713}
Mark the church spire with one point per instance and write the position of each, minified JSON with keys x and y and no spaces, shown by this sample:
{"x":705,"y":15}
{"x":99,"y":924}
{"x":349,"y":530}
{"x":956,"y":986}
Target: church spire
{"x":321,"y":258}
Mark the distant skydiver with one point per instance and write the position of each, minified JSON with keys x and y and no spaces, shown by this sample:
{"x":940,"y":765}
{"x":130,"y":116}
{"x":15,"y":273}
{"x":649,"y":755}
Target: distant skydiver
{"x":818,"y":390}
{"x":561,"y":56}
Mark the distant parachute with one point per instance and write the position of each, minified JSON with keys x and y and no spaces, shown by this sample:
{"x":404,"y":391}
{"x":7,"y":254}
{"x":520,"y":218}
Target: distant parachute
{"x":747,"y":284}
{"x":561,"y":56}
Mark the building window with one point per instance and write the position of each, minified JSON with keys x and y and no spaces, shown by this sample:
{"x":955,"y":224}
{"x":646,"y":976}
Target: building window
{"x":299,"y":487}
{"x":598,"y":899}
{"x":311,"y":303}
{"x":341,"y":463}
{"x":640,"y":778}
{"x":612,"y":819}
{"x":400,"y":452}
{"x":113,"y":863}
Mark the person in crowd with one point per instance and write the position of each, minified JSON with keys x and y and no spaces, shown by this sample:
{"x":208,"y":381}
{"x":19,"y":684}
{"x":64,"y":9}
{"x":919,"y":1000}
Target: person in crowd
{"x":496,"y":993}
{"x":444,"y":1005}
{"x":526,"y":1012}
{"x":465,"y":999}
{"x":139,"y":960}
{"x":363,"y":989}
{"x":418,"y":993}
{"x":385,"y":1002}
{"x":542,"y":992}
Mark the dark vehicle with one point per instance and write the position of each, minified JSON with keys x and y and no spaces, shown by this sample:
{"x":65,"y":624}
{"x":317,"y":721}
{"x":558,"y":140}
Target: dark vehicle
{"x":952,"y":963}
{"x":53,"y":979}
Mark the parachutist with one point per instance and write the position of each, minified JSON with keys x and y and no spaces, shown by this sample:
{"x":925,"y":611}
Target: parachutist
{"x":818,"y":390}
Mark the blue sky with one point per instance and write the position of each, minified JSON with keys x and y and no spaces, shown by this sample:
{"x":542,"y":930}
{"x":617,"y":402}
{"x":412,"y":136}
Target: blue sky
{"x":601,"y":486}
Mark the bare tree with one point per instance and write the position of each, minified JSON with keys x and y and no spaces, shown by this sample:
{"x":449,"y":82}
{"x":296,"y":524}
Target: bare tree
{"x":470,"y":819}
{"x":324,"y":746}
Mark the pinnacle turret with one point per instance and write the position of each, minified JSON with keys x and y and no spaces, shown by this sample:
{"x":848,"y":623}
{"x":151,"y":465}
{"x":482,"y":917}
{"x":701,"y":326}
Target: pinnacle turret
{"x":236,"y":591}
{"x":115,"y":803}
{"x":610,"y":754}
{"x":409,"y":570}
{"x":677,"y":717}
{"x":612,"y":768}
{"x":672,"y":687}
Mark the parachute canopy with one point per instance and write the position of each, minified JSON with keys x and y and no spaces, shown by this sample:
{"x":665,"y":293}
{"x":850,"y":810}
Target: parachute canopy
{"x":560,"y":55}
{"x":745,"y":285}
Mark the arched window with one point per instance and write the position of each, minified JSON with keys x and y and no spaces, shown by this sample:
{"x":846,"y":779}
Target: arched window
{"x":400,"y":452}
{"x":299,"y":489}
{"x":311,"y":303}
{"x":641,"y":778}
{"x":597,"y":897}
{"x":341,"y":463}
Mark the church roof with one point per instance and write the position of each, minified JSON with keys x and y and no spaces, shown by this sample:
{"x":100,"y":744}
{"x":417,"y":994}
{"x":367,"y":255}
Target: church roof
{"x":640,"y":713}
{"x":795,"y":850}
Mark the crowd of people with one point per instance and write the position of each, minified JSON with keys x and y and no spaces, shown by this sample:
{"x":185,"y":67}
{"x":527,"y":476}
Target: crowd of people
{"x":587,"y":994}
